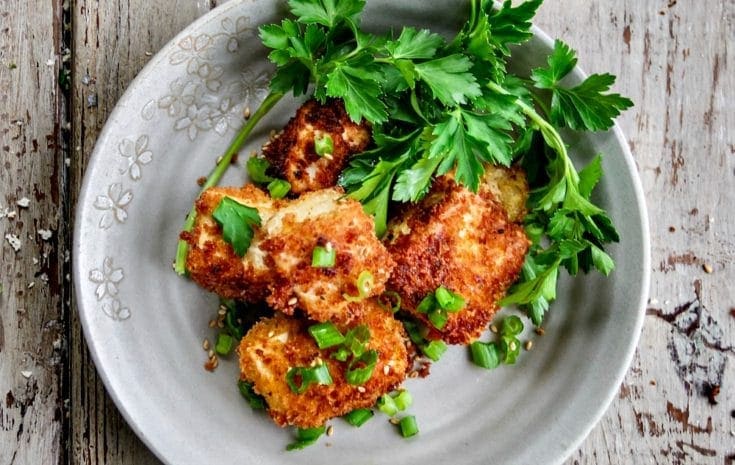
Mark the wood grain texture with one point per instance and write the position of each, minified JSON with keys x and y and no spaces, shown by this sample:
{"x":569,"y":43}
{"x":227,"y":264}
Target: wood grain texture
{"x":112,"y":41}
{"x":31,"y":168}
{"x":674,"y":58}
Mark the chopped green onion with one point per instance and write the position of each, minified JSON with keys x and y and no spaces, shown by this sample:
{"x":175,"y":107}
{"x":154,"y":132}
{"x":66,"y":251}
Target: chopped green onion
{"x":224,"y":344}
{"x":306,"y":437}
{"x":390,"y":306}
{"x":387,"y":405}
{"x":511,"y":326}
{"x":361,"y":368}
{"x":300,"y":378}
{"x":403,"y":400}
{"x":485,"y":355}
{"x":246,"y":389}
{"x":438,"y":318}
{"x":511,"y":346}
{"x":324,"y":145}
{"x":364,"y":286}
{"x":326,"y":335}
{"x":427,"y":304}
{"x":278,"y":188}
{"x":323,"y":257}
{"x":256,"y":170}
{"x":434,"y":349}
{"x":448,"y":300}
{"x":342,"y":354}
{"x":359,"y":416}
{"x":408,"y":426}
{"x":356,"y":339}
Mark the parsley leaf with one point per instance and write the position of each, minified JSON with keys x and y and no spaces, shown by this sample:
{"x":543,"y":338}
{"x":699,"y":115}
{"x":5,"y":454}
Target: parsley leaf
{"x":359,"y":89}
{"x":585,"y":106}
{"x":325,"y":12}
{"x":414,"y":44}
{"x":449,"y":79}
{"x":512,"y":25}
{"x":237,"y":222}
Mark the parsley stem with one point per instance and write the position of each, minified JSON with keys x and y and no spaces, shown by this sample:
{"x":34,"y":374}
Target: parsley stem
{"x":219,"y":170}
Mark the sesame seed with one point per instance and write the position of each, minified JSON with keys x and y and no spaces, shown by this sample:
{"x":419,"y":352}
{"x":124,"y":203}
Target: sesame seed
{"x":205,"y":344}
{"x":707,"y":268}
{"x":212,"y":323}
{"x":413,"y":374}
{"x":292,"y":301}
{"x":221,"y":312}
{"x":271,"y":333}
{"x":394,"y":421}
{"x":328,"y":156}
{"x":493,"y":328}
{"x":529,"y":345}
{"x":512,"y":346}
{"x":386,"y":369}
{"x":361,"y":389}
{"x":210,"y":353}
{"x":220,"y":324}
{"x":246,"y":113}
{"x":219,"y":159}
{"x":328,"y":246}
{"x":540,"y":331}
{"x":330,"y":430}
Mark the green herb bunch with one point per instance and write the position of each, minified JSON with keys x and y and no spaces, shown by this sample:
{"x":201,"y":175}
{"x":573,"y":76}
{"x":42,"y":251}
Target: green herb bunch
{"x":438,"y":106}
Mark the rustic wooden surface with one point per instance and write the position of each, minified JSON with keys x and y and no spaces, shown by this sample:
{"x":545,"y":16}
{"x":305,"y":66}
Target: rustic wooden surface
{"x":673,"y":58}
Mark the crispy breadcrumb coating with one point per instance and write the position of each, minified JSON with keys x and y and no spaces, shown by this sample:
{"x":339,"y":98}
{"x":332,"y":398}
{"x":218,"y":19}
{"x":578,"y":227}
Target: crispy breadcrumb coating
{"x":274,"y":345}
{"x":277,"y":265}
{"x":213,"y":264}
{"x":292,"y":155}
{"x":328,"y":219}
{"x":462,"y":241}
{"x":509,"y":186}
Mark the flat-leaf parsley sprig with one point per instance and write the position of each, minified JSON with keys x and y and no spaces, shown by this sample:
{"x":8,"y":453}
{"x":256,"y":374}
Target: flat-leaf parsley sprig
{"x":438,"y":106}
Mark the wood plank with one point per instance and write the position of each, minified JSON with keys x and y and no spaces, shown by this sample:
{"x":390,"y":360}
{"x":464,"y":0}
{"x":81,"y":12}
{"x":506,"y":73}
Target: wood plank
{"x":112,"y":41}
{"x":672,"y":58}
{"x":31,"y":277}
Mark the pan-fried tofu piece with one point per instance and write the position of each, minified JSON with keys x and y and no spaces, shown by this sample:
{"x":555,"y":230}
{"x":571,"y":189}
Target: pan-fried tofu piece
{"x":462,"y":241}
{"x":292,"y":154}
{"x":212,"y":262}
{"x":326,"y":219}
{"x":274,"y":345}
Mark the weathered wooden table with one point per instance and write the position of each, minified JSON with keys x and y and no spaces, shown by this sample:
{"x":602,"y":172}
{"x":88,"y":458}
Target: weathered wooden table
{"x":677,"y":404}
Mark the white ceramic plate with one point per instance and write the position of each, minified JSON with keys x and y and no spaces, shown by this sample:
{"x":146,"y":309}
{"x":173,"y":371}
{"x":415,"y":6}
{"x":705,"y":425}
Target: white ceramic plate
{"x":145,"y":325}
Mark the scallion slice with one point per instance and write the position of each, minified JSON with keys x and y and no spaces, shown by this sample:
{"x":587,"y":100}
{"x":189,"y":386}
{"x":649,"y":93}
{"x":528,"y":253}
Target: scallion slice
{"x":511,"y":347}
{"x":323,"y":257}
{"x":393,"y":300}
{"x":356,"y":340}
{"x":485,"y":355}
{"x":438,"y":318}
{"x":359,"y":416}
{"x":246,"y":389}
{"x":434,"y":349}
{"x":341,"y":354}
{"x":449,"y":300}
{"x":278,"y":188}
{"x":364,"y":285}
{"x":300,"y":378}
{"x":408,"y":426}
{"x":387,"y":404}
{"x":511,"y":326}
{"x":427,"y":304}
{"x":306,"y":437}
{"x":326,"y":335}
{"x":403,"y":400}
{"x":324,"y":145}
{"x":224,"y":344}
{"x":361,"y":368}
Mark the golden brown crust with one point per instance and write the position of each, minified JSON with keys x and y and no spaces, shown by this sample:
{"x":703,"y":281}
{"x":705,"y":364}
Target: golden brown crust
{"x":274,"y":345}
{"x":212,"y":263}
{"x":323,"y":218}
{"x":459,"y":240}
{"x":292,"y":155}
